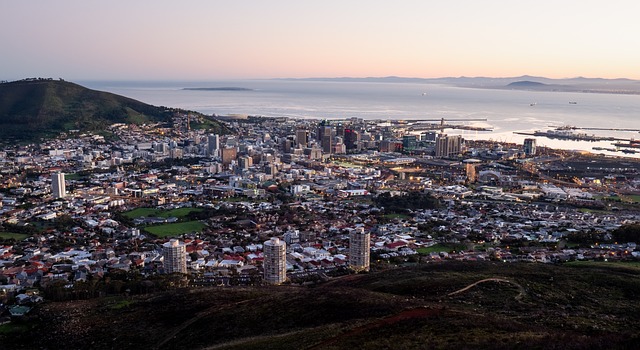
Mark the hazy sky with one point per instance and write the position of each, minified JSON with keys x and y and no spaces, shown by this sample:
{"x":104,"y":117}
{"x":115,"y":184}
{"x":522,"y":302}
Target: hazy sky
{"x":200,"y":40}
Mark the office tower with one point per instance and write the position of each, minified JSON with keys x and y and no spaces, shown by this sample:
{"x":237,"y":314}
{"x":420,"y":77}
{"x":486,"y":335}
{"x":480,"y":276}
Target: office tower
{"x":428,"y":136}
{"x":286,"y":145}
{"x":57,"y":185}
{"x":213,"y":144}
{"x":275,"y":261}
{"x":245,"y":162}
{"x":270,"y":169}
{"x":302,"y":137}
{"x":339,"y":130}
{"x":327,"y":140}
{"x":229,"y":154}
{"x":359,"y":249}
{"x":175,"y":256}
{"x":448,"y":146}
{"x":530,"y":147}
{"x":409,"y":142}
{"x":351,"y":139}
{"x":323,"y":127}
{"x":313,"y":152}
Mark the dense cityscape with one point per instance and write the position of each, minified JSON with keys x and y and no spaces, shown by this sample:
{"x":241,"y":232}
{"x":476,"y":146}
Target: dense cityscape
{"x":279,"y":200}
{"x":319,"y":175}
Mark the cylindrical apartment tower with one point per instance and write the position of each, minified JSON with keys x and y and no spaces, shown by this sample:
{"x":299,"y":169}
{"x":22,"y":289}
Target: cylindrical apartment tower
{"x":359,"y":249}
{"x":275,"y":261}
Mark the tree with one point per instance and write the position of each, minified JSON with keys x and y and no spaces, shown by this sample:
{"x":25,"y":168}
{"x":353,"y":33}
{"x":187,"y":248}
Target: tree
{"x":627,"y":233}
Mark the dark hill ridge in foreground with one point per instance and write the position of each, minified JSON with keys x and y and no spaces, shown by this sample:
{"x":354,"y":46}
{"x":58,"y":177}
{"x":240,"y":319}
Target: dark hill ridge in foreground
{"x":573,"y":306}
{"x":34,"y":108}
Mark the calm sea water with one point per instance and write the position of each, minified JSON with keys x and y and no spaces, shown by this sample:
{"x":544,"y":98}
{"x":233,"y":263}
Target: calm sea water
{"x":506,"y":111}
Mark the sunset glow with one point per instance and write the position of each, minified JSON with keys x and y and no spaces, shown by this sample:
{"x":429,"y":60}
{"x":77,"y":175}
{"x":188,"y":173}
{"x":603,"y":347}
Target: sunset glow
{"x":259,"y":39}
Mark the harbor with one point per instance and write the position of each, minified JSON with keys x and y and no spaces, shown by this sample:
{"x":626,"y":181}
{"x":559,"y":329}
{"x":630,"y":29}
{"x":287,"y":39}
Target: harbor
{"x":563,"y":134}
{"x":628,"y":146}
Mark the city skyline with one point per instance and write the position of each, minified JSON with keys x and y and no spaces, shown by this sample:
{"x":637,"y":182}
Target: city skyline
{"x":199,"y":40}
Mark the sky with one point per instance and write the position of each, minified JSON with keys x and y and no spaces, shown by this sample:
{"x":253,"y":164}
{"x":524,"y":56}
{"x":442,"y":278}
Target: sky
{"x":244,"y":39}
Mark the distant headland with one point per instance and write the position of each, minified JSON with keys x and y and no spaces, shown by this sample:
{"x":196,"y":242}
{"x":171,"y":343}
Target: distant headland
{"x":524,"y":82}
{"x":225,"y":88}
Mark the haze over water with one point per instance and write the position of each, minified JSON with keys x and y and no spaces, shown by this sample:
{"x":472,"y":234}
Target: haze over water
{"x":506,"y":111}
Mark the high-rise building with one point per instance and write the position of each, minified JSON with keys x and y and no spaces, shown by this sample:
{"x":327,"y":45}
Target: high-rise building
{"x":359,"y":249}
{"x":323,"y":127}
{"x":287,"y":144}
{"x":339,"y":130}
{"x":175,"y":256}
{"x":58,"y":188}
{"x":270,"y":169}
{"x":351,"y":139}
{"x":313,"y":152}
{"x":302,"y":137}
{"x":245,"y":162}
{"x":229,"y":154}
{"x":448,"y":146}
{"x":428,"y":136}
{"x":275,"y":261}
{"x":213,"y":143}
{"x":530,"y":147}
{"x":327,"y":140}
{"x":409,"y":142}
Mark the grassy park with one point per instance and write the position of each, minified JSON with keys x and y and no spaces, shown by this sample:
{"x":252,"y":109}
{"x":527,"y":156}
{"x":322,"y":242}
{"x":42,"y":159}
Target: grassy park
{"x":175,"y":229}
{"x":441,"y":247}
{"x":16,"y":236}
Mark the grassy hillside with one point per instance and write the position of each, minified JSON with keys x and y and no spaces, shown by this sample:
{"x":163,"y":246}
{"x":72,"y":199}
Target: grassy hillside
{"x":35,"y":108}
{"x":579,"y":306}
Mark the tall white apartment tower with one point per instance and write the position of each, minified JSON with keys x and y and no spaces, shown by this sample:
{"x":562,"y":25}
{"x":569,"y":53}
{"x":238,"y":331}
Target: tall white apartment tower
{"x":275,"y":261}
{"x":359,"y":249}
{"x":57,"y":185}
{"x":213,"y":142}
{"x":175,"y":256}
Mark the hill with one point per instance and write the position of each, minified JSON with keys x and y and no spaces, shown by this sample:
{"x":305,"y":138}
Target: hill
{"x":475,"y":305}
{"x":31,"y":109}
{"x":526,"y":83}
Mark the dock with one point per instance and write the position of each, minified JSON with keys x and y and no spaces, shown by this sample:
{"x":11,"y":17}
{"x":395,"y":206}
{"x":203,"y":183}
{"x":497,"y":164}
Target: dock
{"x":571,"y":136}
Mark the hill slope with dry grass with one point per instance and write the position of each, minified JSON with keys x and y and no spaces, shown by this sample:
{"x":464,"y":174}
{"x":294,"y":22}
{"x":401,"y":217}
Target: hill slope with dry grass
{"x":574,"y":306}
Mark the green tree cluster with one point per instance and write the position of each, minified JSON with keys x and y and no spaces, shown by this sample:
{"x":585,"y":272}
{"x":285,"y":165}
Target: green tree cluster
{"x":410,"y":201}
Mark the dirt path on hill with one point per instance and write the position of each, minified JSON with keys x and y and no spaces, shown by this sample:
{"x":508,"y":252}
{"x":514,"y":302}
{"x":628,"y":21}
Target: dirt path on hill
{"x":521,"y":290}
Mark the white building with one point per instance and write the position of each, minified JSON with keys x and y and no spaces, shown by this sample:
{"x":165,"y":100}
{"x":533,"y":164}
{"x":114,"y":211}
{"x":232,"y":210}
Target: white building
{"x":448,"y":146}
{"x":58,"y":186}
{"x":275,"y":261}
{"x":359,"y":249}
{"x":175,"y":256}
{"x":213,"y":143}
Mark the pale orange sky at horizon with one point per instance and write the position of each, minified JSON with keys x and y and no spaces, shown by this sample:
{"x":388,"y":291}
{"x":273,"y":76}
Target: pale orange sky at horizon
{"x":201,"y":40}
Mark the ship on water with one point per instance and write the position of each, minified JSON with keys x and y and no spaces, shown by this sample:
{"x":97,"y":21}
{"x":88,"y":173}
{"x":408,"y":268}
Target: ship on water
{"x":630,"y":144}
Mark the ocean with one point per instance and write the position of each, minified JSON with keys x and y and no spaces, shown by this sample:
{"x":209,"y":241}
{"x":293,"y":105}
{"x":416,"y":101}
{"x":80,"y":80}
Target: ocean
{"x":506,"y":111}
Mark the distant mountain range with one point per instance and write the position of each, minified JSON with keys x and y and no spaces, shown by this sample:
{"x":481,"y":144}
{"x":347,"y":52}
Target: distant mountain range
{"x":525,"y":82}
{"x":31,"y":109}
{"x":218,"y":89}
